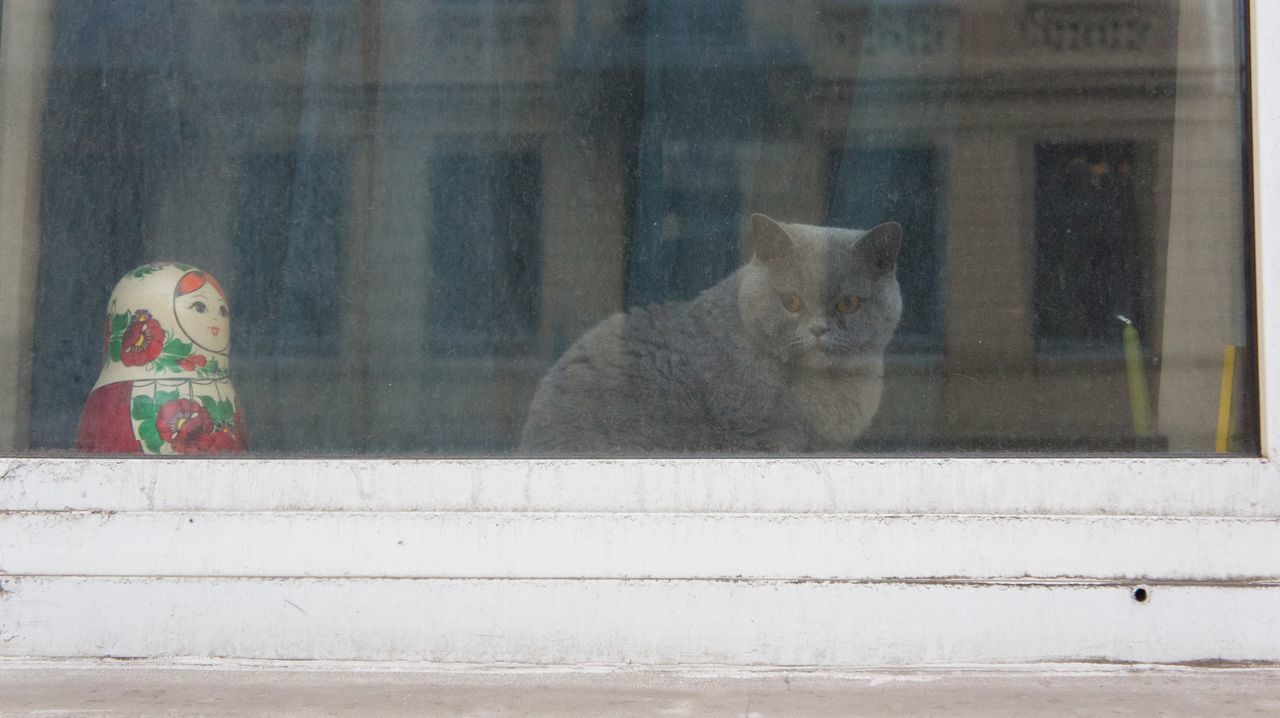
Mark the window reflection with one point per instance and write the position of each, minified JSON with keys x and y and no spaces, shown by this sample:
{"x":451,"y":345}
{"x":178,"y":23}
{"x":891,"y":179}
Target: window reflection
{"x":419,"y":206}
{"x":484,"y":253}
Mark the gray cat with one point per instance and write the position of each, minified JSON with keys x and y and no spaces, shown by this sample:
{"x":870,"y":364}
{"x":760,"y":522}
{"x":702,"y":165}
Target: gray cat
{"x":784,"y":355}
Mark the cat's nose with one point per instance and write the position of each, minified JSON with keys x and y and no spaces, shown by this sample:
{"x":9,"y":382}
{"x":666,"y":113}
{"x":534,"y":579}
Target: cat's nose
{"x":818,"y":329}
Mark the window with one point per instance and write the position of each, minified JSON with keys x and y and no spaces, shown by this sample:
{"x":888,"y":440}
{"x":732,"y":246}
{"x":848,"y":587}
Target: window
{"x":686,"y":233}
{"x":905,"y":184}
{"x":484,"y":289}
{"x":136,"y":132}
{"x":288,"y":265}
{"x":1092,"y":264}
{"x":427,"y":224}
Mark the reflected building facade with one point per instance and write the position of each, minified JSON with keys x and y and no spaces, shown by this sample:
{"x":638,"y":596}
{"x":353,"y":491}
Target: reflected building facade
{"x":418,"y":205}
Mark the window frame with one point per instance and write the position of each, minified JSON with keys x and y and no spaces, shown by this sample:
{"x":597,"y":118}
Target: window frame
{"x":1204,"y":493}
{"x":1264,"y":19}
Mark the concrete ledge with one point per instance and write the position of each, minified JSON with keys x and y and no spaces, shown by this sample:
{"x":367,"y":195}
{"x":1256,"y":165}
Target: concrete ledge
{"x":245,"y":688}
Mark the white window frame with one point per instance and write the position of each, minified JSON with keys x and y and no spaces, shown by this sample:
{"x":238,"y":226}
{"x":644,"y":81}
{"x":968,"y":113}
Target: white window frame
{"x":770,"y":561}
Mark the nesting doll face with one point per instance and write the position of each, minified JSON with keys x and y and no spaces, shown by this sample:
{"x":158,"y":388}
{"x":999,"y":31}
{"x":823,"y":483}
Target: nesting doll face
{"x":166,"y":321}
{"x":202,"y":311}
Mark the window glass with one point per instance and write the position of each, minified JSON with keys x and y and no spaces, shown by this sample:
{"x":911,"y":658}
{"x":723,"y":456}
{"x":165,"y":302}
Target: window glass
{"x":625,"y":227}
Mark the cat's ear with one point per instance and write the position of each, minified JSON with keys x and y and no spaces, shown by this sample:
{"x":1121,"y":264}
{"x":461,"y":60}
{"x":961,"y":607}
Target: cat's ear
{"x":769,"y":240}
{"x":880,"y":245}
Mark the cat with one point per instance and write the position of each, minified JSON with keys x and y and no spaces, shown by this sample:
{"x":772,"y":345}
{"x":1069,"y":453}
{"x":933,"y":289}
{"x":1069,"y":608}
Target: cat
{"x":786,"y":354}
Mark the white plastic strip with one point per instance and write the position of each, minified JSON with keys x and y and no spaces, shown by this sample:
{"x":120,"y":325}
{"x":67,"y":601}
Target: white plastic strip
{"x":772,"y":623}
{"x":565,"y":545}
{"x":1265,"y":28}
{"x":1155,"y":487}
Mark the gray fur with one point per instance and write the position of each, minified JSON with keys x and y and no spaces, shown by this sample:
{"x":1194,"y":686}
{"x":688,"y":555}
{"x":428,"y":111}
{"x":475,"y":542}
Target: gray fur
{"x":734,"y":371}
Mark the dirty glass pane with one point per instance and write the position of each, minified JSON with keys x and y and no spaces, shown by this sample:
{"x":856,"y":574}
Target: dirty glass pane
{"x":625,"y":227}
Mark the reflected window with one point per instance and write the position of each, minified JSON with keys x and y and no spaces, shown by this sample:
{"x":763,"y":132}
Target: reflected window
{"x":696,"y":242}
{"x":1092,"y":249}
{"x":290,"y":234}
{"x":486,"y":222}
{"x":906,"y":185}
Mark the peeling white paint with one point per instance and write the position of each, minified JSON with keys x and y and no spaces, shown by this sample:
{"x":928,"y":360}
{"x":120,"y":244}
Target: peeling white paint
{"x":753,"y":623}
{"x":1055,"y":486}
{"x":612,"y":545}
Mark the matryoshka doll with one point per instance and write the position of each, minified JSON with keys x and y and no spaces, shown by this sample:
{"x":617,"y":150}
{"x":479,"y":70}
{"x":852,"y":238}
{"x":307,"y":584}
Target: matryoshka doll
{"x":165,"y":386}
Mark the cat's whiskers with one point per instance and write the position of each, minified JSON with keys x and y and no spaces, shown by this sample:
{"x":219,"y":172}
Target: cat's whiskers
{"x":837,"y":345}
{"x":798,"y":344}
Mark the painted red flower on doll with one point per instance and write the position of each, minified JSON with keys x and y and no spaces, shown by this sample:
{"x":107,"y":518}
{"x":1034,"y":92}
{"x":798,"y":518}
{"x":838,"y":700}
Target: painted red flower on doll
{"x":193,"y":362}
{"x":143,"y":339}
{"x":221,"y":441}
{"x":185,"y":425}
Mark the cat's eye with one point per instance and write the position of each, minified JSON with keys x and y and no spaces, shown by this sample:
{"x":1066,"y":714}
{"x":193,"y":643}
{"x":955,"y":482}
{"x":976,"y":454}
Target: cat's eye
{"x":200,"y":307}
{"x":791,"y":302}
{"x":848,"y":304}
